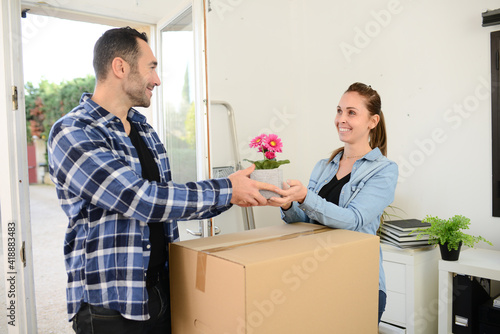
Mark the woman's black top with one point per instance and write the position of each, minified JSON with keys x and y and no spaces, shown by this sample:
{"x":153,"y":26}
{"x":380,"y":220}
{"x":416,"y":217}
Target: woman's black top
{"x":150,"y":172}
{"x":331,"y":191}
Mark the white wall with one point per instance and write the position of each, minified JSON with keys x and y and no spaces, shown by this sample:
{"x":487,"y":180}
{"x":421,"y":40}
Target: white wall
{"x":284,"y":64}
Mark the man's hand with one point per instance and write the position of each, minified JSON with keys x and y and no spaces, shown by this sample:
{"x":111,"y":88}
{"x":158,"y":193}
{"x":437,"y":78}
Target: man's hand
{"x":246,"y":191}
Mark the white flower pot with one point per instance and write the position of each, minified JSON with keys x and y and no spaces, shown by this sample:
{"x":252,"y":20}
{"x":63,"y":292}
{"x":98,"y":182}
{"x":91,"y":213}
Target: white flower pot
{"x":272,"y":176}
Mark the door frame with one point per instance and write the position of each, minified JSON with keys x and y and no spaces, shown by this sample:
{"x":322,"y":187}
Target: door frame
{"x":201,"y":109}
{"x":14,"y":184}
{"x":198,"y":8}
{"x":14,"y":191}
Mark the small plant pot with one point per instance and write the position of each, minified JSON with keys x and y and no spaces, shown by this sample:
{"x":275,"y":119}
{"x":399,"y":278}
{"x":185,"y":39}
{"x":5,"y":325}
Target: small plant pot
{"x":272,"y":176}
{"x":448,"y":255}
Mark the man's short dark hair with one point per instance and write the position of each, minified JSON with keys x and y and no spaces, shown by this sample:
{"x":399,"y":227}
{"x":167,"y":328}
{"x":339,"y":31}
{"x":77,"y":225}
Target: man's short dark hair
{"x":118,"y":42}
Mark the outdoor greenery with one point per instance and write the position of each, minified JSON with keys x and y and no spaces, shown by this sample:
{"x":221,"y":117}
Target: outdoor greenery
{"x":180,"y":133}
{"x":49,"y":101}
{"x":46,"y":102}
{"x":449,"y":231}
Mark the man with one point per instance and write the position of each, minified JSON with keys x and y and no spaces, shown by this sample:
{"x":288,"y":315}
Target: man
{"x":113,"y":180}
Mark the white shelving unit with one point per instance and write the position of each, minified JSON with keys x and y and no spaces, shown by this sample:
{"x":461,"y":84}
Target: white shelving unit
{"x":474,"y":262}
{"x":412,"y":290}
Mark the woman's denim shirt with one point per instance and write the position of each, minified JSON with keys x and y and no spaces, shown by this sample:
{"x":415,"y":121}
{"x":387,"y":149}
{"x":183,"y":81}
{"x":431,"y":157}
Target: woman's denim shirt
{"x":362,"y":200}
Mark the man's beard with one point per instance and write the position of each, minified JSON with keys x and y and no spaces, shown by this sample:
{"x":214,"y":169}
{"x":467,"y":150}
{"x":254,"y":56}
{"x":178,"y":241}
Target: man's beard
{"x":136,"y":90}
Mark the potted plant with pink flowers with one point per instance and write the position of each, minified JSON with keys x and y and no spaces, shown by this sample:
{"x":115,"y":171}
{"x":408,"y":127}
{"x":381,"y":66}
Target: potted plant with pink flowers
{"x":266,"y":170}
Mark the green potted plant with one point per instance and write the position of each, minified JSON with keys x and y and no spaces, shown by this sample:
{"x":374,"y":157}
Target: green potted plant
{"x":266,"y":170}
{"x":448,"y":235}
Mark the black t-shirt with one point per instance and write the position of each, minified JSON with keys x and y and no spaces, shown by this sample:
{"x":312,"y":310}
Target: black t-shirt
{"x":331,"y":191}
{"x":150,"y":172}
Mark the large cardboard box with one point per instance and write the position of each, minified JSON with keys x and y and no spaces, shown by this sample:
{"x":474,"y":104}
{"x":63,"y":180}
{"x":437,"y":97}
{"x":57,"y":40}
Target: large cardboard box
{"x":296,"y":278}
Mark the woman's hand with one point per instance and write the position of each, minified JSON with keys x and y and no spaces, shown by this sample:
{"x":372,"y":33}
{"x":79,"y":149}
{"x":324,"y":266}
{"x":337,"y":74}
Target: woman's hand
{"x":293,"y":190}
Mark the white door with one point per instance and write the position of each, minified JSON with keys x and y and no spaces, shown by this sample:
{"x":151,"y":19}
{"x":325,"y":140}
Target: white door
{"x":17,"y":299}
{"x":182,"y":110}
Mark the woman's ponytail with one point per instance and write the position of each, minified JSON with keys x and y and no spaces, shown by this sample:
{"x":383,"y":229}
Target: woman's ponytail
{"x":378,"y":136}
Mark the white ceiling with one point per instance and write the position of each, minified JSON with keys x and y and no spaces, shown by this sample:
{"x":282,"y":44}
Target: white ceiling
{"x":140,"y":11}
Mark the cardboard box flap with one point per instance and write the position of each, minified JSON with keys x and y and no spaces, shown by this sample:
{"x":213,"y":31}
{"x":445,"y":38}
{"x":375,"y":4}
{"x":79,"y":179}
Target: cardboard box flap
{"x":266,"y":234}
{"x":256,"y":243}
{"x":297,"y":243}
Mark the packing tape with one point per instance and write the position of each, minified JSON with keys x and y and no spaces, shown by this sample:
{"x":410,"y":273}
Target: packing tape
{"x":201,"y":271}
{"x":255,"y":242}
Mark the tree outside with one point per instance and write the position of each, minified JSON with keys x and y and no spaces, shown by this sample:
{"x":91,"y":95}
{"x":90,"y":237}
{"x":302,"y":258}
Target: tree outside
{"x":49,"y":101}
{"x":45,"y":104}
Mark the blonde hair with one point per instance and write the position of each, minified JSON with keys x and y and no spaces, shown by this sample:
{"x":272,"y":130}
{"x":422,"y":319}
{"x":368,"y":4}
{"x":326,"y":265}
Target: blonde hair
{"x":378,"y":135}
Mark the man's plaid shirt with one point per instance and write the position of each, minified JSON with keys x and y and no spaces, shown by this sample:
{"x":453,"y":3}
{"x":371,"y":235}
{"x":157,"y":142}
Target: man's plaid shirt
{"x":97,"y":174}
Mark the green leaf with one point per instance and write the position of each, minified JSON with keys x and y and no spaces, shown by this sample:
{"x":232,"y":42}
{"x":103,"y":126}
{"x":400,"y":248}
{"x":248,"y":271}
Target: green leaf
{"x":449,"y":231}
{"x":267,"y":164}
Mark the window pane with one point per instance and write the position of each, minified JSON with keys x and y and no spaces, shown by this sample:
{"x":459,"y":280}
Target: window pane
{"x":178,"y":97}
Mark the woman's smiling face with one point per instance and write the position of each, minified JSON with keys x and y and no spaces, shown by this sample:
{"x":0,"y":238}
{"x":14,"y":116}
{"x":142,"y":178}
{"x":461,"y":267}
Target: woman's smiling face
{"x":353,"y":120}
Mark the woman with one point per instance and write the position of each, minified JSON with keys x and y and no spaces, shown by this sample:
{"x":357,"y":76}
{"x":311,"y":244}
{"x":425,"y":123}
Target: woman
{"x":351,"y":189}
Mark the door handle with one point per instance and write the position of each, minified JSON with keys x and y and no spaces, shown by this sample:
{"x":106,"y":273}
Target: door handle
{"x":461,"y":321}
{"x":217,"y":230}
{"x":196,"y":234}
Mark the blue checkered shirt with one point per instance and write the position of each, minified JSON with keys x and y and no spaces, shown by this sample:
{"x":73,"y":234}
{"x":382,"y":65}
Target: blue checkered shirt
{"x":97,"y":173}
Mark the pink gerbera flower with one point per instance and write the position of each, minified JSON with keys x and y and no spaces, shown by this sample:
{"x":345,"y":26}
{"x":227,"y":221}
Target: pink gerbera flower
{"x":258,"y":141}
{"x":270,"y":155}
{"x":273,"y":143}
{"x":269,"y":146}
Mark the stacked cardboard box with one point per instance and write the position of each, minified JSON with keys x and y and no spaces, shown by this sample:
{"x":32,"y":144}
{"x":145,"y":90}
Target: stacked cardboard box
{"x":296,"y":278}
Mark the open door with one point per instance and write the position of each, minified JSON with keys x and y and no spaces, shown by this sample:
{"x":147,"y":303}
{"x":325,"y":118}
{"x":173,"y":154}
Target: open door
{"x":196,"y":138}
{"x":16,"y":270}
{"x":182,"y":109}
{"x":16,"y":283}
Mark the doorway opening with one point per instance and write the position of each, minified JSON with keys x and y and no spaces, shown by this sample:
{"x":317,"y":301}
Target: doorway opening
{"x":144,"y":17}
{"x":57,"y":62}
